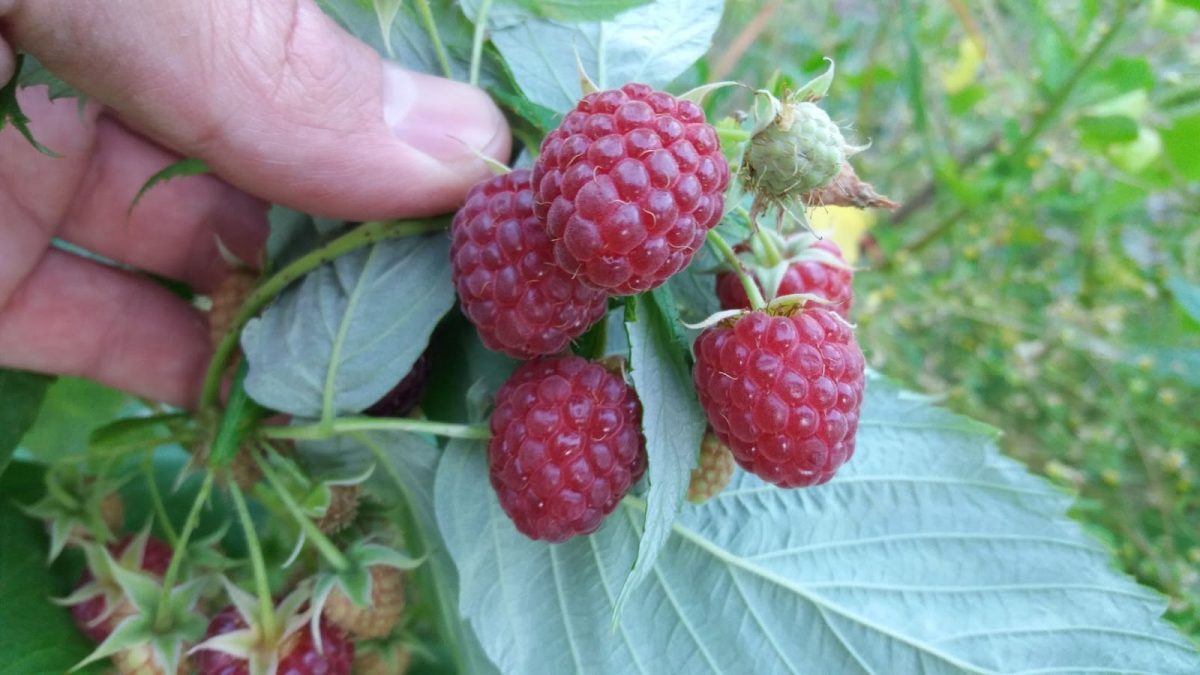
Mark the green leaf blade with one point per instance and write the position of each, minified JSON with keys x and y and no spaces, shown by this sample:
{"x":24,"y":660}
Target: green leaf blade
{"x":672,"y":423}
{"x":21,"y":396}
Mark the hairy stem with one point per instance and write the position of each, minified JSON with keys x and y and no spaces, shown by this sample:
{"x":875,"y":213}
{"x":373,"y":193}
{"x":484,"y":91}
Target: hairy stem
{"x":162,"y":618}
{"x":345,"y":425}
{"x":363,"y":235}
{"x":262,"y":587}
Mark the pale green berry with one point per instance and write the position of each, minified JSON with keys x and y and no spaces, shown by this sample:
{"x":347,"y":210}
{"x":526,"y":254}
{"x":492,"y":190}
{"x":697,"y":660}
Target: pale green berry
{"x":801,"y":150}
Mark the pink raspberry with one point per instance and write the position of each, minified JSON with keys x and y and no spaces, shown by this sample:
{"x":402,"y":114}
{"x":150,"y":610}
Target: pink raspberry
{"x":628,"y":185}
{"x":503,"y":266}
{"x":566,"y":446}
{"x":783,"y":392}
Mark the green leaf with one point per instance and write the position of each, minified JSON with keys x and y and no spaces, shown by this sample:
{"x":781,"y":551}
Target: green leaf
{"x":1181,"y":141}
{"x":929,"y":552}
{"x":1187,"y":296}
{"x":36,"y":636}
{"x":33,"y":73}
{"x":1191,"y":4}
{"x":73,"y":408}
{"x":21,"y":395}
{"x":1106,"y":129}
{"x":579,"y":10}
{"x":651,"y":44}
{"x":182,"y":168}
{"x":350,"y":330}
{"x":10,"y":110}
{"x":672,"y":423}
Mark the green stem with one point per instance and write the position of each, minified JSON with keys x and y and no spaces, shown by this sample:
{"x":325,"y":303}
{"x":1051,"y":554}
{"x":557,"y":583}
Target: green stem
{"x":730,"y":135}
{"x":481,"y":20}
{"x":262,"y":587}
{"x":435,"y":37}
{"x":160,"y":509}
{"x":327,"y":548}
{"x":363,"y":235}
{"x":752,"y":292}
{"x":230,"y":429}
{"x":162,"y":617}
{"x":345,"y":425}
{"x":771,"y":252}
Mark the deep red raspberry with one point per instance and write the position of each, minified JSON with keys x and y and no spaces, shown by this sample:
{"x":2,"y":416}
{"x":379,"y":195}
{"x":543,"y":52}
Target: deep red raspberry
{"x":406,"y":394}
{"x":299,"y":655}
{"x":804,"y":276}
{"x":155,"y":559}
{"x":628,"y":185}
{"x":503,"y":265}
{"x":566,"y":446}
{"x":783,"y":392}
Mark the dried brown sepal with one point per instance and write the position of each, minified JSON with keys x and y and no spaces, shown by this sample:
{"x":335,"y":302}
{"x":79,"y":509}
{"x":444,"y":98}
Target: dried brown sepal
{"x":847,"y":189}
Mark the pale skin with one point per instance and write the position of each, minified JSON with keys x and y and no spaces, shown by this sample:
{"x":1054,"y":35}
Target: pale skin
{"x":279,"y":101}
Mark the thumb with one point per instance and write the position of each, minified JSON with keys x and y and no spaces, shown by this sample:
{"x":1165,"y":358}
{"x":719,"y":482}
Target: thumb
{"x":274,"y":96}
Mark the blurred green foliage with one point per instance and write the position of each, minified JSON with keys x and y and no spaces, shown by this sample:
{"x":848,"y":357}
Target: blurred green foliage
{"x":1044,"y":272}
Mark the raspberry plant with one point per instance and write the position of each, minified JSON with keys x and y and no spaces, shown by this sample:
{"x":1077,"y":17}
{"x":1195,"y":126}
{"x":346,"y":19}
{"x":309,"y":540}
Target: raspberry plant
{"x":408,"y":494}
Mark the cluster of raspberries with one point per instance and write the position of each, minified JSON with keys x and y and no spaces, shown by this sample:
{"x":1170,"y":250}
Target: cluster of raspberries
{"x":621,"y":198}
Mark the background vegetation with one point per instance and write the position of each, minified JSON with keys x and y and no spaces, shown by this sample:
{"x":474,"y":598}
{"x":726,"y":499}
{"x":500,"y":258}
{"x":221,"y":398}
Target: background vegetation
{"x":1044,"y":273}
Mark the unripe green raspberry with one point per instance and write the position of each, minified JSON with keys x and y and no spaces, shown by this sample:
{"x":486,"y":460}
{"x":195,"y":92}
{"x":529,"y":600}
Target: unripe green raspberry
{"x":713,"y":472}
{"x":800,"y":150}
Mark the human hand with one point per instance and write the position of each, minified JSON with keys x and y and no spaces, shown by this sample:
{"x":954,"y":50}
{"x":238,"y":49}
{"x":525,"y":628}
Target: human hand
{"x":280,"y":103}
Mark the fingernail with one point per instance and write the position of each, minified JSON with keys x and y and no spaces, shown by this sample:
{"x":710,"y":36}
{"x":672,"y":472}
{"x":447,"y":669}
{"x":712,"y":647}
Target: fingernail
{"x":441,"y":118}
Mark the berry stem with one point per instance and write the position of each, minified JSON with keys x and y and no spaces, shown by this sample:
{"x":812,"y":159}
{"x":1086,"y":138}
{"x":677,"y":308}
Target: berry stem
{"x":481,"y":19}
{"x":327,"y":548}
{"x":752,"y":292}
{"x":230,"y":428}
{"x":346,"y":425}
{"x":771,"y":254}
{"x":435,"y":37}
{"x":160,"y":509}
{"x":162,"y":617}
{"x":363,"y":235}
{"x":262,"y":587}
{"x":731,"y":136}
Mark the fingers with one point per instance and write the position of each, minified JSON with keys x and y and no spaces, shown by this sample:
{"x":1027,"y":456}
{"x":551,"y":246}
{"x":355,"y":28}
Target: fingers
{"x":173,"y":230}
{"x":275,"y":97}
{"x":8,"y":62}
{"x":72,"y":316}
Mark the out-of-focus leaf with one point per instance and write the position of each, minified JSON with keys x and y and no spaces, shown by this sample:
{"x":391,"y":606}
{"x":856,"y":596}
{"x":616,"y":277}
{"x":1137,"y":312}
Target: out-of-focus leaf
{"x":1108,"y":129}
{"x":341,"y":338}
{"x":72,"y":409}
{"x":37,"y":637}
{"x":1181,"y":141}
{"x":21,"y":396}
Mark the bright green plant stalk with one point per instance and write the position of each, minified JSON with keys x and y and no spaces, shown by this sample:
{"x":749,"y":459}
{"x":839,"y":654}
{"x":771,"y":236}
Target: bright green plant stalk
{"x":262,"y":587}
{"x":328,"y":550}
{"x":346,"y":425}
{"x":363,"y":235}
{"x":162,"y":617}
{"x":160,"y":510}
{"x":752,"y":292}
{"x":478,"y":40}
{"x":435,"y":37}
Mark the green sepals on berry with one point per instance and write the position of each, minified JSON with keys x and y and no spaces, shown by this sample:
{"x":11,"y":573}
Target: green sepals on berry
{"x":78,"y":508}
{"x":329,"y":500}
{"x":800,"y":263}
{"x":364,"y":599}
{"x":238,"y":642}
{"x":154,"y":635}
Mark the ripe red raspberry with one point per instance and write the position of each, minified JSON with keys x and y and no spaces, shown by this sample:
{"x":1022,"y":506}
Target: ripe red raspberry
{"x":803,"y":276}
{"x":406,"y":394}
{"x":503,"y":265}
{"x":298,"y":653}
{"x":713,"y":471}
{"x":566,"y":446}
{"x":380,"y":616}
{"x":628,"y":185}
{"x":93,"y":616}
{"x":783,"y":392}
